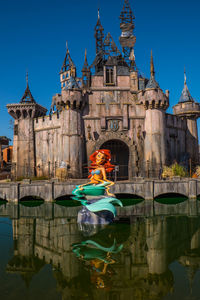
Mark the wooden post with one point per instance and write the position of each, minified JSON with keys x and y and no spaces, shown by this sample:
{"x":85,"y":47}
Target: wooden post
{"x":190,"y":162}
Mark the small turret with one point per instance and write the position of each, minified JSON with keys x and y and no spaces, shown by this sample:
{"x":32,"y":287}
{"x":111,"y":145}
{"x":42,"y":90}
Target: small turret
{"x":152,"y":96}
{"x":24,"y":113}
{"x":186,"y":106}
{"x":68,"y":69}
{"x":190,"y":110}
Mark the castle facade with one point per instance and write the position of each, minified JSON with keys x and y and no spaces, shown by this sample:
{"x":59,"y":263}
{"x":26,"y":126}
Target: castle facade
{"x":112,"y":107}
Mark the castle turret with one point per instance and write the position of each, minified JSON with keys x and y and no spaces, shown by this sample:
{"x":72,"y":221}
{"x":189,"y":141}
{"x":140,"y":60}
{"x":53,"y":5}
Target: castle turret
{"x":155,"y":103}
{"x":69,"y":105}
{"x":68,"y":69}
{"x":190,"y":110}
{"x":23,"y":162}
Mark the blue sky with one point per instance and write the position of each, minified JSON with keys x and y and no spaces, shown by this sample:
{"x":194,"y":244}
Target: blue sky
{"x":33,"y":35}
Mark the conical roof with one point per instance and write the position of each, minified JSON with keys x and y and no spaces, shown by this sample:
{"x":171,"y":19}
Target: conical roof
{"x":152,"y":83}
{"x":27,"y":97}
{"x":185,"y":95}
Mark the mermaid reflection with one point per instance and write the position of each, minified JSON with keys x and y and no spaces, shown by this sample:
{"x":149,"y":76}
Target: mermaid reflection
{"x":98,"y":260}
{"x":98,"y":185}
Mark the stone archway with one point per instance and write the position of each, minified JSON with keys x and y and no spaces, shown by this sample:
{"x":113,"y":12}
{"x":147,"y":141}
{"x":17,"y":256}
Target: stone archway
{"x":120,"y":157}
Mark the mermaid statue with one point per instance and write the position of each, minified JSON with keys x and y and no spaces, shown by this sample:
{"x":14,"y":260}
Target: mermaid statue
{"x":95,"y":195}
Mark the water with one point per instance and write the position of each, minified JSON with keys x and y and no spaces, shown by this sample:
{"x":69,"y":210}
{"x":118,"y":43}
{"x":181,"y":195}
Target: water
{"x":45,"y":255}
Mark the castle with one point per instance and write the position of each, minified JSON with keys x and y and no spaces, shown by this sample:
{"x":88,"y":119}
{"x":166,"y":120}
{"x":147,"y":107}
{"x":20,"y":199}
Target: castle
{"x":112,"y":107}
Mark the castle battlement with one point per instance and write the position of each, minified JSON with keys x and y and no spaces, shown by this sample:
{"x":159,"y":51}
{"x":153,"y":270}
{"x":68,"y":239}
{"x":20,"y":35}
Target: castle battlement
{"x":44,"y":122}
{"x":173,"y":121}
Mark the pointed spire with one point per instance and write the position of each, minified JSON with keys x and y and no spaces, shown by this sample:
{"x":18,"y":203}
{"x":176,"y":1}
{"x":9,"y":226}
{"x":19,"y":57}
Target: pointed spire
{"x":85,"y":55}
{"x":185,"y":95}
{"x":27,"y":78}
{"x":152,"y":84}
{"x":152,"y":66}
{"x":127,"y":38}
{"x":85,"y":66}
{"x":127,"y":15}
{"x":99,"y":35}
{"x":68,"y":63}
{"x":27,"y":97}
{"x":185,"y":78}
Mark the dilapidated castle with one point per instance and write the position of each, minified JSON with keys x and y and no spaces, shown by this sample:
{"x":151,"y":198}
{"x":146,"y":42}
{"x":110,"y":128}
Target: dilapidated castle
{"x":112,"y":106}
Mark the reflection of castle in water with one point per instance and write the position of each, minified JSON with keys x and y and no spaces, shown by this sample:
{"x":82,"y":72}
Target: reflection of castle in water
{"x":141,"y":269}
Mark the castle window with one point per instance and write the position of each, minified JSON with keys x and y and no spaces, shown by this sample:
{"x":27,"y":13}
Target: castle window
{"x":109,"y":76}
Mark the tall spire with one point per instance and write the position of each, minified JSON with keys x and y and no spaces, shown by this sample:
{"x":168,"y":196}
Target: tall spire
{"x":127,"y":39}
{"x":68,"y":63}
{"x":99,"y":35}
{"x":27,"y":78}
{"x":185,"y":78}
{"x":152,"y":66}
{"x":185,"y":95}
{"x":85,"y":66}
{"x":152,"y":83}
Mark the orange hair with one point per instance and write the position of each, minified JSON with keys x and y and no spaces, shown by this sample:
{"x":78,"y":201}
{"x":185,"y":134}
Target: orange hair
{"x":107,"y":165}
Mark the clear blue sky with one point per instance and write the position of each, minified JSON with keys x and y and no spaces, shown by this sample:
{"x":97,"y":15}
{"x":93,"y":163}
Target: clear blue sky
{"x":33,"y":35}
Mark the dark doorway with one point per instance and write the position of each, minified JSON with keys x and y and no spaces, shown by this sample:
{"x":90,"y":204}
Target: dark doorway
{"x":120,"y":158}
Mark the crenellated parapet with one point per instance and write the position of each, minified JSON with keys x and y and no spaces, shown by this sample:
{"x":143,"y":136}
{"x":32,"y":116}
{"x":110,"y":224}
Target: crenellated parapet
{"x":187,"y":110}
{"x":26,"y":110}
{"x":153,"y":98}
{"x":69,"y":99}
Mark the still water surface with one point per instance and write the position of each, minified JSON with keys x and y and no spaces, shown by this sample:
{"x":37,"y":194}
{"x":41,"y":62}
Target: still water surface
{"x":50,"y":257}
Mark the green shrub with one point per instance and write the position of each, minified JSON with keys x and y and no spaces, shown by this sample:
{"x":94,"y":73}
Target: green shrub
{"x":174,"y":170}
{"x":178,"y":170}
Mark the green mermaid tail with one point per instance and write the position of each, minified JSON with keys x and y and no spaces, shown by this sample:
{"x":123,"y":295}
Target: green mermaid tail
{"x":96,"y":190}
{"x":89,"y":250}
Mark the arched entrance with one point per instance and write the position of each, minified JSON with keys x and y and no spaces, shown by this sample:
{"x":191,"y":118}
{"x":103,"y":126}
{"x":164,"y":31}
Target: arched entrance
{"x":120,"y":157}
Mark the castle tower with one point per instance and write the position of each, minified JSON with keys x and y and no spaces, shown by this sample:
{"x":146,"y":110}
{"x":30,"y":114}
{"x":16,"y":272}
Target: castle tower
{"x":155,"y":103}
{"x":127,"y":39}
{"x":23,"y":162}
{"x":69,"y":104}
{"x":189,"y":109}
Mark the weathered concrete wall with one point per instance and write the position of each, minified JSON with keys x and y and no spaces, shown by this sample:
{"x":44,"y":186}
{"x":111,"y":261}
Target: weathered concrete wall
{"x":63,"y":132}
{"x":155,"y":142}
{"x":175,"y":138}
{"x":147,"y":189}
